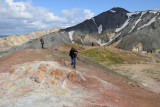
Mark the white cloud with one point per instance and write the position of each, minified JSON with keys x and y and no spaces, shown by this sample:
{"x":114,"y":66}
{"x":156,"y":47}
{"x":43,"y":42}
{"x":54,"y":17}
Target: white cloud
{"x":88,"y":14}
{"x":156,"y":9}
{"x":22,"y":17}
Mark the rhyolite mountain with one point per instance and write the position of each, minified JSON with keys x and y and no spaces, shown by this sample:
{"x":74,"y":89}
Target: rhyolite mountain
{"x":7,"y":42}
{"x":117,"y":27}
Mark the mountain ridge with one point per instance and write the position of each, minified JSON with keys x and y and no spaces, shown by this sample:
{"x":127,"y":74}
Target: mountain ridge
{"x":115,"y":26}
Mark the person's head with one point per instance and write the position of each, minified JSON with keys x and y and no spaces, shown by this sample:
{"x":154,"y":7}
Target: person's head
{"x":72,"y":48}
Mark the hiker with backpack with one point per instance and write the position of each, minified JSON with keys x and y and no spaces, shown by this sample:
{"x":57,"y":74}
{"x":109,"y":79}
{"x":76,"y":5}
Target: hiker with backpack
{"x":42,"y":42}
{"x":73,"y":54}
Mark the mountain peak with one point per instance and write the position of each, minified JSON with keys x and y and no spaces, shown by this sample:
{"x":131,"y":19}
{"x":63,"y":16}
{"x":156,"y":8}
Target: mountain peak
{"x":119,"y":9}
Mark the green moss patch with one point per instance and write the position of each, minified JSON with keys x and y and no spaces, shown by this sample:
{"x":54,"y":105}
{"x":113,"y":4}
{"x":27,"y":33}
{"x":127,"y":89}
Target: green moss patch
{"x":103,"y":55}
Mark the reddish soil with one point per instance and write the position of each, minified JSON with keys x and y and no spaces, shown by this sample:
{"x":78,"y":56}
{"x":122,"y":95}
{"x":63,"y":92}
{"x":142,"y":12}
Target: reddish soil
{"x":111,"y":90}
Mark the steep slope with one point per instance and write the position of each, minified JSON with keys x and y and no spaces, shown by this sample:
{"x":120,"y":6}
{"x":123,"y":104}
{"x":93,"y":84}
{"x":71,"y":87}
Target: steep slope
{"x":53,"y":39}
{"x":147,"y":34}
{"x":98,"y":29}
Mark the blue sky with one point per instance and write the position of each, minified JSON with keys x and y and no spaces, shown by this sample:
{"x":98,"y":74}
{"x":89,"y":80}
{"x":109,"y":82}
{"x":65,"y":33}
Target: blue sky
{"x":97,"y":6}
{"x":25,"y":16}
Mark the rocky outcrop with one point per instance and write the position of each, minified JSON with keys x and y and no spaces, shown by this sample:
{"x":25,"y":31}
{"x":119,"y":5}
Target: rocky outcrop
{"x":41,"y":80}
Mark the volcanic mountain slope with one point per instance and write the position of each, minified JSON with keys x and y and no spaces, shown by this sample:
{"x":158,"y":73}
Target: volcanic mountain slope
{"x":128,"y":29}
{"x":145,"y":31}
{"x":116,"y":24}
{"x":45,"y":78}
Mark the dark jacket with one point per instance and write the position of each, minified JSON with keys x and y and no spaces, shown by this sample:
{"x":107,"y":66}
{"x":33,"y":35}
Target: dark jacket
{"x":42,"y":41}
{"x":73,"y":53}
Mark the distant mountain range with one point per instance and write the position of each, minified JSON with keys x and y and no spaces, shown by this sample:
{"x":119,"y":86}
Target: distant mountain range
{"x":116,"y":27}
{"x":1,"y":36}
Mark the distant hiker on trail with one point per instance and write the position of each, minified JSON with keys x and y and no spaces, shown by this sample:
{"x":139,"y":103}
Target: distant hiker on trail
{"x":92,"y":44}
{"x":73,"y":54}
{"x":42,"y":42}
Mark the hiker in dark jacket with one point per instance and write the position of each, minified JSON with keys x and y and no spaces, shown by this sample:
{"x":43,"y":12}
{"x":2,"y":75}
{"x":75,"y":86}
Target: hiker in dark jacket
{"x":42,"y":42}
{"x":92,"y":44}
{"x":73,"y":54}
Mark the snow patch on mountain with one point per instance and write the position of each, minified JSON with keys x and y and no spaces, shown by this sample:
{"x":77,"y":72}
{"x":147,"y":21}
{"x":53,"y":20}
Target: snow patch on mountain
{"x":137,"y":21}
{"x":123,"y":26}
{"x":150,"y":22}
{"x":118,"y":35}
{"x":94,"y":21}
{"x":100,"y":29}
{"x":100,"y":42}
{"x":71,"y":36}
{"x":143,"y":13}
{"x":111,"y":38}
{"x":112,"y":11}
{"x":132,"y":28}
{"x":154,"y":11}
{"x":133,"y":13}
{"x":127,"y":21}
{"x":82,"y":41}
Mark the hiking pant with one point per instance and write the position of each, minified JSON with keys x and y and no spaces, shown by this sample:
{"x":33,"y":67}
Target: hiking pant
{"x":42,"y":45}
{"x":74,"y":62}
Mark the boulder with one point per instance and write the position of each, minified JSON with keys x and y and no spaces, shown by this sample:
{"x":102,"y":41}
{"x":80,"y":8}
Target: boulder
{"x":72,"y":76}
{"x":40,"y":75}
{"x":37,"y":79}
{"x":42,"y":67}
{"x":51,"y":82}
{"x":80,"y":76}
{"x":53,"y":73}
{"x":59,"y":74}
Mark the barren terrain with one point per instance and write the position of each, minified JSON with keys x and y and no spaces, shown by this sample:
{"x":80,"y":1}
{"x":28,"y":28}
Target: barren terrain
{"x":46,"y":78}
